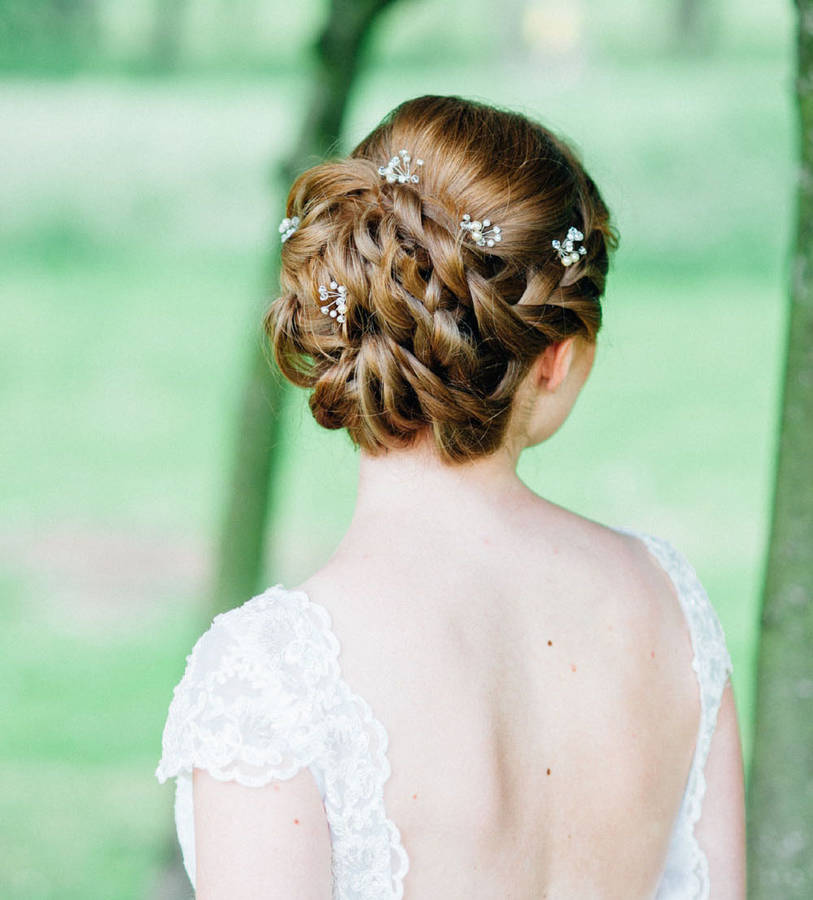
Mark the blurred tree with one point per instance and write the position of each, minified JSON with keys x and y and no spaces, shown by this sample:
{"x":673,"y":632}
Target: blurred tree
{"x":167,"y":34}
{"x":692,"y":25}
{"x":256,"y":455}
{"x":47,"y":35}
{"x":780,"y":798}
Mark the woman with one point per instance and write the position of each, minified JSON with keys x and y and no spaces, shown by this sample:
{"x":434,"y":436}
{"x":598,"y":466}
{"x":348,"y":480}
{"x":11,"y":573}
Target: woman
{"x":480,"y":694}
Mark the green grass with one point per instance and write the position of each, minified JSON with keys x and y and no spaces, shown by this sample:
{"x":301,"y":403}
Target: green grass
{"x":137,"y":216}
{"x":82,"y":715}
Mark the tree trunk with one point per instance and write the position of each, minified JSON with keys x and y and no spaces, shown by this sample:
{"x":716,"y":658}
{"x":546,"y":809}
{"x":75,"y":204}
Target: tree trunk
{"x":780,"y":799}
{"x":258,"y":439}
{"x":167,"y":34}
{"x":692,"y":25}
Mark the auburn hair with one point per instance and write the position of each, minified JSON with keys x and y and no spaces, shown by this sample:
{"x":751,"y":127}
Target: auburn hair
{"x":438,"y":331}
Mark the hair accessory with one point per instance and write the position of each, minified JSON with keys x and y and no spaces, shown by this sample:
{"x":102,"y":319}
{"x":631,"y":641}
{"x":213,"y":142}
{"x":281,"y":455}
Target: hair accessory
{"x":398,"y":169}
{"x":565,"y":250}
{"x":287,"y":227}
{"x":336,"y":293}
{"x":481,"y":233}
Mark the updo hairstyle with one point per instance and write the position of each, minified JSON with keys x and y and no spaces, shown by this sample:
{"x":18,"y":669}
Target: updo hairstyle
{"x":438,"y":331}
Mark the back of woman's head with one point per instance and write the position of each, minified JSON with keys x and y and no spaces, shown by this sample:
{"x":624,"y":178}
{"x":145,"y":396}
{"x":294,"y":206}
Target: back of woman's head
{"x":438,"y":330}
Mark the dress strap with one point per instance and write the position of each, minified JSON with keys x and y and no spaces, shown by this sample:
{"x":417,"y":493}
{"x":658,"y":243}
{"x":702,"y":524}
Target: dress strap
{"x":711,"y":658}
{"x":712,"y":664}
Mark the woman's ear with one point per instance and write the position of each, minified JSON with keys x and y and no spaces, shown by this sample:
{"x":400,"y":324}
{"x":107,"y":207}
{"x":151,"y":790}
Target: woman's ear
{"x":553,"y":364}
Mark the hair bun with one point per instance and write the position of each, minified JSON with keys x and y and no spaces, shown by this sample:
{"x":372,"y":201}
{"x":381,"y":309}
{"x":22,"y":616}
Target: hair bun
{"x":440,"y":322}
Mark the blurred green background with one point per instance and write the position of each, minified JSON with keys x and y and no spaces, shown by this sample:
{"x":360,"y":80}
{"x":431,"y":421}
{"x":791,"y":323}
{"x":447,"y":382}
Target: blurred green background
{"x":137,"y":215}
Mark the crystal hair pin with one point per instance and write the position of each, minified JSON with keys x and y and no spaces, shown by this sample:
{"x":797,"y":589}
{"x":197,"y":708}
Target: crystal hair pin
{"x":399,"y":169}
{"x":335,"y":294}
{"x":484,"y":234}
{"x":566,"y":250}
{"x":287,"y":227}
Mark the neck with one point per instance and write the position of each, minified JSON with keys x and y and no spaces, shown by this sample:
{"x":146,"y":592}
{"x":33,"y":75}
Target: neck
{"x":414,"y":485}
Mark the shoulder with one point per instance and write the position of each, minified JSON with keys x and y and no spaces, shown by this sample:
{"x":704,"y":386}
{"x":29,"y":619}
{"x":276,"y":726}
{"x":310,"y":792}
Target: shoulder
{"x":264,"y":637}
{"x":712,"y":659}
{"x":248,"y":705}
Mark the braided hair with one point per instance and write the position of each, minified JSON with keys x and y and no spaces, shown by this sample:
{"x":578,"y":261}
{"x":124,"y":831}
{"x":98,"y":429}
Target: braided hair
{"x":439,"y":331}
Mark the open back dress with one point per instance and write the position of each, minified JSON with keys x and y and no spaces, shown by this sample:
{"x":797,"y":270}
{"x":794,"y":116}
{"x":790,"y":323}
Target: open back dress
{"x":263,"y":697}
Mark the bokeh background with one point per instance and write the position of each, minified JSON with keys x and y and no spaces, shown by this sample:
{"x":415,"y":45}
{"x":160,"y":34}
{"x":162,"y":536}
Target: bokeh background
{"x":137,"y":219}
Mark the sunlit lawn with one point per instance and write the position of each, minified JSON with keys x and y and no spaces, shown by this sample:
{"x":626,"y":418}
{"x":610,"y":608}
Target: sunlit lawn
{"x":131,"y":282}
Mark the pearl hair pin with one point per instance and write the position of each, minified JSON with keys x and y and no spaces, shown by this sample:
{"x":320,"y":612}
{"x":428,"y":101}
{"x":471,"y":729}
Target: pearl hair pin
{"x":335,"y":294}
{"x":482,"y":233}
{"x":566,"y":251}
{"x":287,"y":227}
{"x":399,"y":169}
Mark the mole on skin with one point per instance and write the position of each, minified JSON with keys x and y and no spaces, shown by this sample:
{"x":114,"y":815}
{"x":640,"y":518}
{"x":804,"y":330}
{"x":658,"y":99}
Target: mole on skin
{"x":296,"y":821}
{"x":550,"y":643}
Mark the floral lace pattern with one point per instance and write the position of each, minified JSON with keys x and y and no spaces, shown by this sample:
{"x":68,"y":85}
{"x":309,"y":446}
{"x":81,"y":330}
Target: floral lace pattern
{"x":686,"y":873}
{"x":262,"y":697}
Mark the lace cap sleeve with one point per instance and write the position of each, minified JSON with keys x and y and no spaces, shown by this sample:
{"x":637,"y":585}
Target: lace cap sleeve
{"x":250,"y":704}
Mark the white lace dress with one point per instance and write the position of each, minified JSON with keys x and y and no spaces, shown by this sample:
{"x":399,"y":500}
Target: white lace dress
{"x":263,"y":697}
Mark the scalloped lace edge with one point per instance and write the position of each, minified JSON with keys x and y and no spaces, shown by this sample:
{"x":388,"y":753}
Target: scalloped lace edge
{"x":369,"y":722}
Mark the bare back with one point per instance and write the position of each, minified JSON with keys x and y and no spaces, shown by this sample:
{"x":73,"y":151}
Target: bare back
{"x":539,"y":699}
